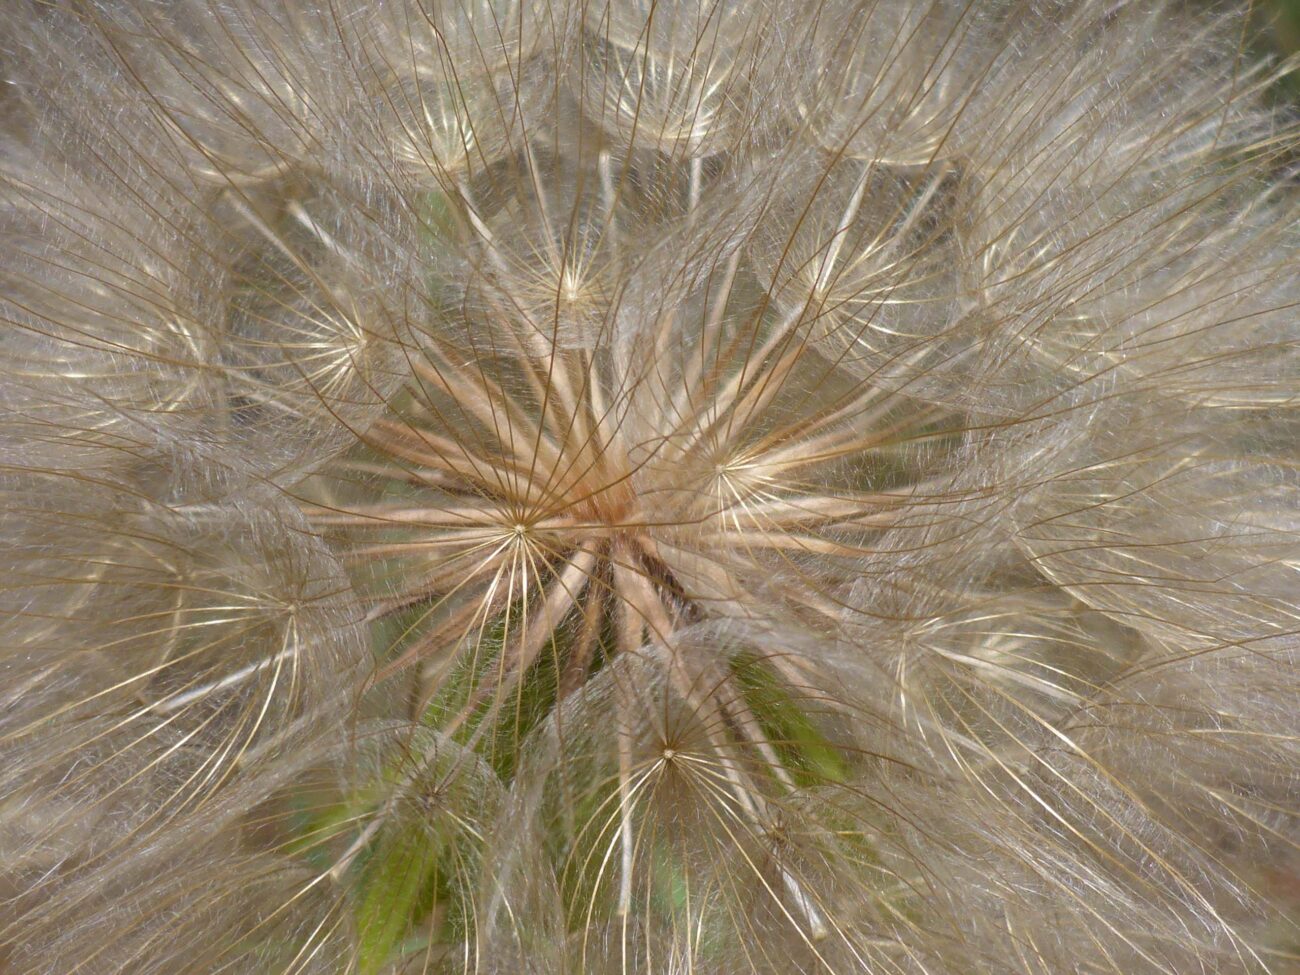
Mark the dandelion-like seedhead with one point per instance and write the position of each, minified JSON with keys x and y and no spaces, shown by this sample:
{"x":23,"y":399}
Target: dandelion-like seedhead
{"x":676,"y":486}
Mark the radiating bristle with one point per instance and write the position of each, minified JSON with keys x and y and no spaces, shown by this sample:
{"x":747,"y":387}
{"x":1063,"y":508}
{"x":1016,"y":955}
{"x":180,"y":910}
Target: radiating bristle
{"x":647,"y":486}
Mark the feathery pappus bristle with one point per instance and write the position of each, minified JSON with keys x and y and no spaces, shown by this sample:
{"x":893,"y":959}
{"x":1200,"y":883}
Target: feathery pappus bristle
{"x":648,"y":486}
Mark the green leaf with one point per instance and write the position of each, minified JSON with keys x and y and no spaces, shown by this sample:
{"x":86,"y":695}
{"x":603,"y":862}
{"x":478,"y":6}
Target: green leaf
{"x":396,"y":888}
{"x":810,"y":756}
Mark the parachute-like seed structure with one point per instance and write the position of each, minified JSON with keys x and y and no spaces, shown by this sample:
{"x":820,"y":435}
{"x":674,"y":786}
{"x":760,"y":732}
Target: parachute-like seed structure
{"x":648,"y":486}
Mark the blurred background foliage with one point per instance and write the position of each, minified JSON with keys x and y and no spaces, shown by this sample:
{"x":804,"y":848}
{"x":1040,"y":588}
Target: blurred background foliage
{"x":1280,"y":23}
